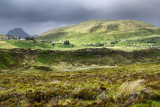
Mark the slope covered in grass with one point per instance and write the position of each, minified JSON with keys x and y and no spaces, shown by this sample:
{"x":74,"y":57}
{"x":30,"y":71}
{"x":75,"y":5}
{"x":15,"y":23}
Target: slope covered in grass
{"x":103,"y":31}
{"x":10,"y":44}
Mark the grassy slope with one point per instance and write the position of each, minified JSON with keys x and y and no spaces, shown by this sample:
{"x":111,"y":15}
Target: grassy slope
{"x":9,"y":44}
{"x":102,"y":31}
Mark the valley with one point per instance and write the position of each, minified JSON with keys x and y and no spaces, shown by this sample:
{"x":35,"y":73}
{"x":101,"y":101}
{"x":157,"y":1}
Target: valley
{"x":96,"y":63}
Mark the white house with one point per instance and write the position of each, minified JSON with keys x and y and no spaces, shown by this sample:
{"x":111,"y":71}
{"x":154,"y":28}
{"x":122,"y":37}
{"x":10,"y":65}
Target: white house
{"x":41,"y":40}
{"x":150,"y":43}
{"x":154,"y":46}
{"x":52,"y":42}
{"x":5,"y":37}
{"x":143,"y":46}
{"x":123,"y":40}
{"x":22,"y":39}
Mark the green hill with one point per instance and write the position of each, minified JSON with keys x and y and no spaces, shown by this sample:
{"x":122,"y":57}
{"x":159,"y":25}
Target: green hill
{"x":106,"y":32}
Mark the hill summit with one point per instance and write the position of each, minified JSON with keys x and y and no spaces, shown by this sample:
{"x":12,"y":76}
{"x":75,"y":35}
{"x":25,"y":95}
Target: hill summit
{"x":18,"y":32}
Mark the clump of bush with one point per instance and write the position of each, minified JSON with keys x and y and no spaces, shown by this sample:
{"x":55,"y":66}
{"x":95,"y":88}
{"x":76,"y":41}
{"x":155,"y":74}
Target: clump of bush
{"x":39,"y":96}
{"x":66,"y":42}
{"x":86,"y":94}
{"x":97,"y":44}
{"x":112,"y":27}
{"x":5,"y":60}
{"x":43,"y":68}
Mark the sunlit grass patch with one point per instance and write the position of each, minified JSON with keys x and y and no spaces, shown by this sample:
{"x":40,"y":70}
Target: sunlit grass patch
{"x":129,"y":88}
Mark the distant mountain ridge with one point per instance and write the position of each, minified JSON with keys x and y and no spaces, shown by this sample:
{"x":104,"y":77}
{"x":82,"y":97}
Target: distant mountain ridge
{"x":18,"y":32}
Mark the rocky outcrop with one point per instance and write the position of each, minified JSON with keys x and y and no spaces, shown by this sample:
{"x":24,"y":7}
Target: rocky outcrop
{"x":18,"y":32}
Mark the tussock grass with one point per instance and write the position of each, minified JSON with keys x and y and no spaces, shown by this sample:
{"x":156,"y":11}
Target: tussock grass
{"x":128,"y":88}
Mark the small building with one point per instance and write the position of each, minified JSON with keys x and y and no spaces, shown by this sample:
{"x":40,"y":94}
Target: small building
{"x":16,"y":37}
{"x":5,"y":37}
{"x":41,"y":40}
{"x":123,"y":40}
{"x":155,"y":46}
{"x":22,"y":39}
{"x":143,"y":46}
{"x":52,"y":42}
{"x":150,"y":44}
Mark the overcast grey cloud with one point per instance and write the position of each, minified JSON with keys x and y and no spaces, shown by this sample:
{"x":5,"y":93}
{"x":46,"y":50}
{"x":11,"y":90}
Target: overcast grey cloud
{"x":38,"y":16}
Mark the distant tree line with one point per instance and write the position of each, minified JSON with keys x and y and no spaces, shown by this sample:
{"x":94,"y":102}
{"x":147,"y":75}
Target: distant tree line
{"x":29,"y":38}
{"x":66,"y":42}
{"x":98,"y":44}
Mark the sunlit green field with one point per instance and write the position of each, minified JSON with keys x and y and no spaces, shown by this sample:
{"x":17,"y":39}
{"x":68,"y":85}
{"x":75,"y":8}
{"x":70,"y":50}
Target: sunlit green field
{"x":11,"y":44}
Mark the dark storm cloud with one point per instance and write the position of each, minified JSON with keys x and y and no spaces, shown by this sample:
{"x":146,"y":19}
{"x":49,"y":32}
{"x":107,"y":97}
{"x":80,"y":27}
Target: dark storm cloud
{"x":38,"y":16}
{"x":37,"y":12}
{"x":146,"y":10}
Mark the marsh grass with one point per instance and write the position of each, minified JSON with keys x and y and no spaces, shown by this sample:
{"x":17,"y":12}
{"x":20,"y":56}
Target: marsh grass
{"x":37,"y":87}
{"x":128,"y":88}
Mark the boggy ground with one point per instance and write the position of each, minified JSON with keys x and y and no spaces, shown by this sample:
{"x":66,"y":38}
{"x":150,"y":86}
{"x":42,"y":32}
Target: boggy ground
{"x":49,"y":59}
{"x":86,"y":88}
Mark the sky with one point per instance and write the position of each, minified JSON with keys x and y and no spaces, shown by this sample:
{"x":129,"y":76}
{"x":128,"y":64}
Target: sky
{"x":38,"y":16}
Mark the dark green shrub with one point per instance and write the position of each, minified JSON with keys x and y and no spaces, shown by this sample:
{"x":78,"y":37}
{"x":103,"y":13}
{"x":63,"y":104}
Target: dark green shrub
{"x":112,"y":27}
{"x":66,"y":42}
{"x":95,"y":28}
{"x":39,"y":96}
{"x":29,"y":38}
{"x":43,"y":68}
{"x":86,"y":94}
{"x":5,"y":60}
